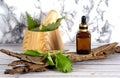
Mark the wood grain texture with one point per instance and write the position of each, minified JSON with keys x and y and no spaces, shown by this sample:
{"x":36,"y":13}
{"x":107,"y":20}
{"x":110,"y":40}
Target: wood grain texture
{"x":51,"y":17}
{"x":42,"y":41}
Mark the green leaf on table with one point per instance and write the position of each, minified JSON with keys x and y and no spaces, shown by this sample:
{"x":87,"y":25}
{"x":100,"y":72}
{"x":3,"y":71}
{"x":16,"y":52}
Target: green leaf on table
{"x":31,"y":22}
{"x":63,"y":63}
{"x":52,"y":26}
{"x":32,"y":53}
{"x":49,"y":60}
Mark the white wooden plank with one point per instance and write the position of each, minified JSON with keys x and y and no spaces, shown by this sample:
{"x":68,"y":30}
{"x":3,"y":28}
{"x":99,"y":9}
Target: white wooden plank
{"x":78,"y":71}
{"x":7,"y":77}
{"x":12,"y":47}
{"x":4,"y":56}
{"x":5,"y":59}
{"x":2,"y":75}
{"x":3,"y":67}
{"x":66,"y":77}
{"x":101,"y":68}
{"x":85,"y":68}
{"x":82,"y":71}
{"x":2,"y":61}
{"x":72,"y":74}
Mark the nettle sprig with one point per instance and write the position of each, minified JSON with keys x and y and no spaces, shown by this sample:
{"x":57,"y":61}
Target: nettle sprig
{"x":34,"y":26}
{"x":54,"y":58}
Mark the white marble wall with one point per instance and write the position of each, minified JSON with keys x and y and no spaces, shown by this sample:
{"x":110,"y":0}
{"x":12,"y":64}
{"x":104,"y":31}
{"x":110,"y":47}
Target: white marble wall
{"x":103,"y":18}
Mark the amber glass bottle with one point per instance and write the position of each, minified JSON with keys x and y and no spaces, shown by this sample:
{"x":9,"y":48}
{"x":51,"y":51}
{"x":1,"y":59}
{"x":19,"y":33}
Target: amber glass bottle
{"x":83,"y":38}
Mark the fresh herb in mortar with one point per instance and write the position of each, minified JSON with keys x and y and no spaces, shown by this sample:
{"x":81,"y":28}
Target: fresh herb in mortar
{"x":54,"y":58}
{"x":31,"y":22}
{"x":33,"y":25}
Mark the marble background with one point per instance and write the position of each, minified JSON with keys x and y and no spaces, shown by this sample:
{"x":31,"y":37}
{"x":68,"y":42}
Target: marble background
{"x":103,"y":17}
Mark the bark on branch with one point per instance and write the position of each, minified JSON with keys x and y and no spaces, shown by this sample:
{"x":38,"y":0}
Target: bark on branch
{"x":32,"y":64}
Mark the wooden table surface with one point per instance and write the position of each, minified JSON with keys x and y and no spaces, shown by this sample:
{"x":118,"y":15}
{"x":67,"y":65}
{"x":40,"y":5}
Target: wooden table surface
{"x":105,"y":68}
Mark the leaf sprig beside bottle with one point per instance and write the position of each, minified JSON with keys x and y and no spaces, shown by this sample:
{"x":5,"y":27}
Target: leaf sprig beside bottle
{"x":54,"y":58}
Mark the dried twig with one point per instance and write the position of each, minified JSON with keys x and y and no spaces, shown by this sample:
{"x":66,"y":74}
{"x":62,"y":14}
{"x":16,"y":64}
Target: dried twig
{"x":24,"y":69}
{"x":36,"y":60}
{"x":96,"y":53}
{"x":33,"y":64}
{"x":18,"y":62}
{"x":117,"y":49}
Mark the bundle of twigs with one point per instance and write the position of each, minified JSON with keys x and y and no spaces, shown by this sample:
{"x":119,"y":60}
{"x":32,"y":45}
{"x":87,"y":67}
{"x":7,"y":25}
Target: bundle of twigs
{"x":36,"y":64}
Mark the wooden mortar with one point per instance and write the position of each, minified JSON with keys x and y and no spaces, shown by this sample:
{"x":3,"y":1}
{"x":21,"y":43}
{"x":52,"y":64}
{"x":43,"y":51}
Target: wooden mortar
{"x":42,"y":41}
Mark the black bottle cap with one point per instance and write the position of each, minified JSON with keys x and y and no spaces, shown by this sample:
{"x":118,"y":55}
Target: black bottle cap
{"x":83,"y":20}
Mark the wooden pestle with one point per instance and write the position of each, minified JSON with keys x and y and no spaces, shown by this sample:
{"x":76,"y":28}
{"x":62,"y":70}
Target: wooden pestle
{"x":44,"y":41}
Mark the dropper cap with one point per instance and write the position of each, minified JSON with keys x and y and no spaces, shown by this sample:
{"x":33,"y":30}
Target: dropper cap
{"x":83,"y":26}
{"x":83,"y":20}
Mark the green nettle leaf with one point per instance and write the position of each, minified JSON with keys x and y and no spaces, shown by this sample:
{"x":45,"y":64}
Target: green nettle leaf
{"x":63,"y":63}
{"x":45,"y":28}
{"x":50,"y":60}
{"x":54,"y":58}
{"x":31,"y":23}
{"x":52,"y":26}
{"x":58,"y":21}
{"x":32,"y":53}
{"x":36,"y":29}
